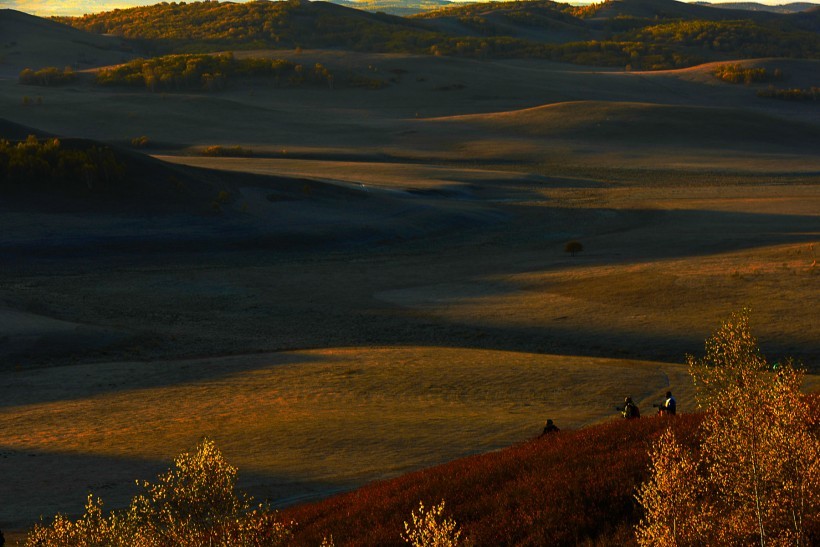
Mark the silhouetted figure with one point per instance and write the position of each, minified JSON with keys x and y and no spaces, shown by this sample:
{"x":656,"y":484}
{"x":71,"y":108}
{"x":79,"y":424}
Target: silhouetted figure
{"x":549,"y":428}
{"x":2,"y":539}
{"x":630,"y":409}
{"x":669,"y":406}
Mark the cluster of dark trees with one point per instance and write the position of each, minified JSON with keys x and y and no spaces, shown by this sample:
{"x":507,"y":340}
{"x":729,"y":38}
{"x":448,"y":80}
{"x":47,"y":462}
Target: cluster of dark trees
{"x":48,"y":76}
{"x":745,"y":39}
{"x":35,"y":165}
{"x":737,"y":74}
{"x":208,"y":72}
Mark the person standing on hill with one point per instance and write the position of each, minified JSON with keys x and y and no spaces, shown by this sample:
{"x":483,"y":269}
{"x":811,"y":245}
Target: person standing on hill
{"x":669,"y":406}
{"x":630,"y":410}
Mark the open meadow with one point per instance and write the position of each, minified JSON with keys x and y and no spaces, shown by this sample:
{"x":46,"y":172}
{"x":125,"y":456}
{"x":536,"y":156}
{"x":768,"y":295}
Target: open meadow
{"x":360,"y":283}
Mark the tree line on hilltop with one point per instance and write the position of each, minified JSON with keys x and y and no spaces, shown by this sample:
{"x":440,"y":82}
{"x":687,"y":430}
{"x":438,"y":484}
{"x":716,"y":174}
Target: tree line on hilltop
{"x":597,"y":37}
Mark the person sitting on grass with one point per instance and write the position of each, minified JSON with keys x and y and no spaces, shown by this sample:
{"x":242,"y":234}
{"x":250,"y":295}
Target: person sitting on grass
{"x":549,"y":427}
{"x":630,"y":409}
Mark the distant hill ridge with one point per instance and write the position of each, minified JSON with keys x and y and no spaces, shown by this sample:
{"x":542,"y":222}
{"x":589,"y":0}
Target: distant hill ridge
{"x":793,"y":7}
{"x":394,"y":7}
{"x":26,"y":39}
{"x":645,"y":34}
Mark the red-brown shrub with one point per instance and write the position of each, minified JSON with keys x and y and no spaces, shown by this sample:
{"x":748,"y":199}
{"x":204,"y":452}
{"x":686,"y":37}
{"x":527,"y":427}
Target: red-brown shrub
{"x":571,"y":487}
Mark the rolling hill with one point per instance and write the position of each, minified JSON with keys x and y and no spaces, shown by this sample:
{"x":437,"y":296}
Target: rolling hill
{"x":793,"y":7}
{"x":346,"y":279}
{"x":664,"y":33}
{"x":635,"y":124}
{"x":35,"y":42}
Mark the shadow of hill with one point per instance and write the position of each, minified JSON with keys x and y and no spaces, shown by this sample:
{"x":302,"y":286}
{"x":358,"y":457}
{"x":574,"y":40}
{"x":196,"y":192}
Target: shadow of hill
{"x":71,"y":477}
{"x":17,"y":132}
{"x":306,"y":299}
{"x":30,"y":386}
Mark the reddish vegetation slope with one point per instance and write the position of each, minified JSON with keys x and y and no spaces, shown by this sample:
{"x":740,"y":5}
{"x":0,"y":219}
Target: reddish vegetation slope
{"x":567,"y":488}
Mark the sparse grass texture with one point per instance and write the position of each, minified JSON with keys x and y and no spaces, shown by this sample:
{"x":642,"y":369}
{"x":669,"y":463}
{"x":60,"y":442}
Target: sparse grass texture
{"x":757,"y":477}
{"x":194,"y":503}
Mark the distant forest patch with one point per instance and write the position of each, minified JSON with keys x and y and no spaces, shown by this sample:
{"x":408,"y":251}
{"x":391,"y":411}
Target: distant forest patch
{"x":208,"y":72}
{"x":738,"y":74}
{"x":741,"y":38}
{"x":48,"y":76}
{"x":35,"y":165}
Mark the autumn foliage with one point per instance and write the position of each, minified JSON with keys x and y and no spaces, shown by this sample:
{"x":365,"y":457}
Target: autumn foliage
{"x":566,"y":488}
{"x":194,"y":503}
{"x":208,"y":72}
{"x":755,"y":479}
{"x":594,"y":36}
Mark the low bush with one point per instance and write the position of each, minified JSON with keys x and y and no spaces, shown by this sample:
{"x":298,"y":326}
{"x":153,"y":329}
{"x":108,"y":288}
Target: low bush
{"x":193,"y":504}
{"x":227,"y":151}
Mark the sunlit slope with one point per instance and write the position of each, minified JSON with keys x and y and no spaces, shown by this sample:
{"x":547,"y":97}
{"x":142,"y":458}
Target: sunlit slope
{"x":643,"y":123}
{"x":207,"y":26}
{"x":35,"y":42}
{"x":540,"y":21}
{"x":298,"y":423}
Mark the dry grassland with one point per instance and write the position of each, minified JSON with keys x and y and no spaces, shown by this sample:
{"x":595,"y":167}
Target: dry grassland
{"x":302,"y":423}
{"x":402,"y":297}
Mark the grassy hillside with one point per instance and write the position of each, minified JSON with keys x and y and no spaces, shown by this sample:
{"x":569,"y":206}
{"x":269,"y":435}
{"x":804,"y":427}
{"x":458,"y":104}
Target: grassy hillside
{"x":672,"y":34}
{"x":204,"y":26}
{"x":641,"y":124}
{"x":28,"y":41}
{"x":567,"y":488}
{"x":540,"y":20}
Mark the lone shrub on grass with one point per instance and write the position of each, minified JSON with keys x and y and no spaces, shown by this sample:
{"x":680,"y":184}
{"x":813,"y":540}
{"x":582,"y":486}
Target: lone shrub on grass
{"x":573,"y":247}
{"x":192,"y":504}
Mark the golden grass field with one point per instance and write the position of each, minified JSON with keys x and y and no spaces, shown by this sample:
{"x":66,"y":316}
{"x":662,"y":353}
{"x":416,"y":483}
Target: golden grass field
{"x":413,"y":304}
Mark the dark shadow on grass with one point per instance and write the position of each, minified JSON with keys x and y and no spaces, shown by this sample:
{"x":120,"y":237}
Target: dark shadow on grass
{"x":325,"y":297}
{"x":37,"y":386}
{"x":41,"y":483}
